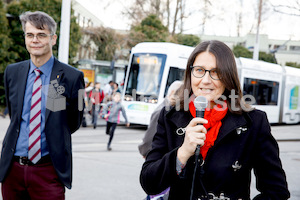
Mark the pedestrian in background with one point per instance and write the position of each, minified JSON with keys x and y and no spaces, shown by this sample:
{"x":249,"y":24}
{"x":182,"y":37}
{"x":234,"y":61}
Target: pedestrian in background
{"x":234,"y":138}
{"x":116,"y":88}
{"x":108,"y":90}
{"x":36,"y":157}
{"x":86,"y":103}
{"x":145,"y":146}
{"x":96,"y":97}
{"x":111,"y":112}
{"x":89,"y":87}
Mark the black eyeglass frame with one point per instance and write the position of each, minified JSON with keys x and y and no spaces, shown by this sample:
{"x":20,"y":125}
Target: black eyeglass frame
{"x":205,"y":70}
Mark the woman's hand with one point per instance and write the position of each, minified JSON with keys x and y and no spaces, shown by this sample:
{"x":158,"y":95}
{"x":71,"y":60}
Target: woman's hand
{"x":194,"y":135}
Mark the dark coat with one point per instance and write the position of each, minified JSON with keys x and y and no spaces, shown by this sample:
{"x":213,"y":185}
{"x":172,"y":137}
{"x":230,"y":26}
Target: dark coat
{"x":243,"y":140}
{"x":58,"y":125}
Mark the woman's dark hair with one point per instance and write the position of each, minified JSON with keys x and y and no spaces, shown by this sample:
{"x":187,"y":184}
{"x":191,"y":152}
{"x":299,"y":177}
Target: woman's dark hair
{"x":227,"y":72}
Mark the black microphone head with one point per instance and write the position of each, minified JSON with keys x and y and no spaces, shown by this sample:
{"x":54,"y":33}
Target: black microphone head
{"x":200,"y":103}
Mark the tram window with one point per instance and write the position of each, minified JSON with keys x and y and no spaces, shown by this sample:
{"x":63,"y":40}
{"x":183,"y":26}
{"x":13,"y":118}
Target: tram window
{"x":264,"y":92}
{"x":145,"y":76}
{"x":174,"y":74}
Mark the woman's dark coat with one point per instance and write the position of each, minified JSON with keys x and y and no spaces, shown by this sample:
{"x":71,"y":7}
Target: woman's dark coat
{"x":244,"y":143}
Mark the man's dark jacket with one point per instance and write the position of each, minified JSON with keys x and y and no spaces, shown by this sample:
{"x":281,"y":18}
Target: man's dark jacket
{"x":58,"y":124}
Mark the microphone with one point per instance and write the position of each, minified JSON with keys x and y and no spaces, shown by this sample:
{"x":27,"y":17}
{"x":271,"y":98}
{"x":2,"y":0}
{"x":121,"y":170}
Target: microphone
{"x":200,"y":103}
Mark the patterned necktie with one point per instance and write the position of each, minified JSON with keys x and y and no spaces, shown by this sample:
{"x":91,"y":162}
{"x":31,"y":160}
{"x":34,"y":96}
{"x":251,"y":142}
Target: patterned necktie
{"x":34,"y":148}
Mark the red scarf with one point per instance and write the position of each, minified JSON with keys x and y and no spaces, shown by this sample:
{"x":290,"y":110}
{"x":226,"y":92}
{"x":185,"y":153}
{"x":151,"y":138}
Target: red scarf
{"x":214,"y":117}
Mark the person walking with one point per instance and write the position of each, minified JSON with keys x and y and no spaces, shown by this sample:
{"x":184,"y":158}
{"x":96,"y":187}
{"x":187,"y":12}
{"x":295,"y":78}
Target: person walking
{"x":111,"y":113}
{"x":42,"y":100}
{"x":96,"y":97}
{"x":145,"y":146}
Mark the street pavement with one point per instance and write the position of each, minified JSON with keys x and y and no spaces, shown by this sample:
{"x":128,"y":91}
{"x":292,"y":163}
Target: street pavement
{"x":99,"y":174}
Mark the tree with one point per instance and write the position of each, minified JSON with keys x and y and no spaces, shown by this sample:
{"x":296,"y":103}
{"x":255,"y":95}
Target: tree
{"x":150,"y":29}
{"x":6,"y":55}
{"x":293,"y":64}
{"x":189,"y":40}
{"x":267,"y":57}
{"x":108,"y":41}
{"x":240,"y":51}
{"x":207,"y":14}
{"x":288,"y":7}
{"x":51,"y":7}
{"x":140,"y":9}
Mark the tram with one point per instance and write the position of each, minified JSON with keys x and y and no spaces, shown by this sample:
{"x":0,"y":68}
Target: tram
{"x":153,"y":66}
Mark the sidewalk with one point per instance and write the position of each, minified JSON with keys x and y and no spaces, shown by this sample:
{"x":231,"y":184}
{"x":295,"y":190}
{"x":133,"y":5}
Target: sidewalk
{"x":286,"y":132}
{"x":280,"y":132}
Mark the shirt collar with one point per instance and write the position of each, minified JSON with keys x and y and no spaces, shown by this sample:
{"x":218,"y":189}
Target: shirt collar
{"x":45,"y":68}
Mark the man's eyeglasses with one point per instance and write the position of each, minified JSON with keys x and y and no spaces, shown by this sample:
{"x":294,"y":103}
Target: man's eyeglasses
{"x":200,"y":72}
{"x":39,"y":36}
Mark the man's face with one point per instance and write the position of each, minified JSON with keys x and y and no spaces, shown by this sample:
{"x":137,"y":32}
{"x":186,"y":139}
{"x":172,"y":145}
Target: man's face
{"x":39,"y":42}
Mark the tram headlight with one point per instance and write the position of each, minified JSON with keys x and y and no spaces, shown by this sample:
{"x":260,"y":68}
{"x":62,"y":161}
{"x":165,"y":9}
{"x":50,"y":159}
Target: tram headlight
{"x":128,"y":98}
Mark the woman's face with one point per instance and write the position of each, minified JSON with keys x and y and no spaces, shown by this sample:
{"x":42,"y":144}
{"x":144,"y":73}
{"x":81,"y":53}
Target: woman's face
{"x":206,"y":86}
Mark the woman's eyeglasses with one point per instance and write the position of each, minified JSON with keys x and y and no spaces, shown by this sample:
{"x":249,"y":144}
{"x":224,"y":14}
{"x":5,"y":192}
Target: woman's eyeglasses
{"x":200,"y":72}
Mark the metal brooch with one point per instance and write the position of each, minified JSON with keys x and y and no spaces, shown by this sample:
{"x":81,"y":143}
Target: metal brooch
{"x":240,"y":130}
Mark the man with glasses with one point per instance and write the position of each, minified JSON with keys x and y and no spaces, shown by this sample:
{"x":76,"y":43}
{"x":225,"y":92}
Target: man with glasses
{"x":42,"y":99}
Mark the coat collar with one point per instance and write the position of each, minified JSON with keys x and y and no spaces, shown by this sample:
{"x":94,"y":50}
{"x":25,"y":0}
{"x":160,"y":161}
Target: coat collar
{"x":180,"y":119}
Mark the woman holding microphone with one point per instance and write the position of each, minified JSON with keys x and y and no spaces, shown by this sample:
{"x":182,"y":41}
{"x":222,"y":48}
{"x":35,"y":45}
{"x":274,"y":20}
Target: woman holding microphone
{"x":233,"y":138}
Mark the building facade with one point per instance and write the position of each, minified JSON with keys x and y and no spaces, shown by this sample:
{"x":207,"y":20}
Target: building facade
{"x":284,"y":50}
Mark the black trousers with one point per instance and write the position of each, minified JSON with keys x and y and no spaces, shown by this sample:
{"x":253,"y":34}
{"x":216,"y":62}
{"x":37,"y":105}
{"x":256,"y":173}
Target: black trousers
{"x":110,"y":130}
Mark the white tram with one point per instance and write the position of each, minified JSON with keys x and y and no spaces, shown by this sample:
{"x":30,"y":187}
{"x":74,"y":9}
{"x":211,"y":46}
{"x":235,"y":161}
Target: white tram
{"x":153,"y":66}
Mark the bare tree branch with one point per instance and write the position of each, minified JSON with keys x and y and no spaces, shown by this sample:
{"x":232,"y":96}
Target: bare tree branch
{"x":292,"y":10}
{"x":175,"y":16}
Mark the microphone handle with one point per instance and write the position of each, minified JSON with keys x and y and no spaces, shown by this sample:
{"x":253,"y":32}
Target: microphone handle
{"x":197,"y":151}
{"x":199,"y":113}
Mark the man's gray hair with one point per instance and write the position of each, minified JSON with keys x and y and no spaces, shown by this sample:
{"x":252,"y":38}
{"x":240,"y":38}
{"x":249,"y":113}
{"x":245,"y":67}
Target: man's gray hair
{"x":38,"y":19}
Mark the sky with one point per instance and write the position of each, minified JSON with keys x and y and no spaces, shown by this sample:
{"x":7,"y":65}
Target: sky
{"x":276,"y":25}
